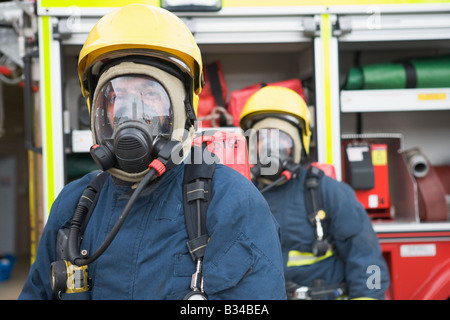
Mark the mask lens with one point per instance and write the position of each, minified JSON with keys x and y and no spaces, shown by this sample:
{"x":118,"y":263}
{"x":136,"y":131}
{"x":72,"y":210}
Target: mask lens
{"x":132,"y":98}
{"x":274,"y":144}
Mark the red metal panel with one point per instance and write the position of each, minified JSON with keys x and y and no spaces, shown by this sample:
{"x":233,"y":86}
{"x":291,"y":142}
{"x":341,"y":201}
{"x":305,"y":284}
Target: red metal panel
{"x":229,"y":147}
{"x":418,"y":263}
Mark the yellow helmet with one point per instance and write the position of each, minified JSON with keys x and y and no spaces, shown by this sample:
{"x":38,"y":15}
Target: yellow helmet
{"x":278,"y":102}
{"x":142,"y":30}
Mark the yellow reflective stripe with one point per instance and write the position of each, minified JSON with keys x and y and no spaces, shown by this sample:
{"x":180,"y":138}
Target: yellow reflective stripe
{"x":325,"y":28}
{"x":48,"y":147}
{"x":298,"y":258}
{"x":94,"y":3}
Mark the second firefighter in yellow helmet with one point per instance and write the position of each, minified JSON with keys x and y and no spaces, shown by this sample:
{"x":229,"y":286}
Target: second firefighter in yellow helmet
{"x":279,"y":136}
{"x":327,"y":240}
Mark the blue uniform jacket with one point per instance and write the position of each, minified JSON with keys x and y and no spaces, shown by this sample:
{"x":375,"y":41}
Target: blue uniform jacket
{"x":358,"y":260}
{"x":149,"y":259}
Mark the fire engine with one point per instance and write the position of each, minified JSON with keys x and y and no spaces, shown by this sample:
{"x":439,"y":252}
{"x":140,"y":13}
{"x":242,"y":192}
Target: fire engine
{"x":362,"y":131}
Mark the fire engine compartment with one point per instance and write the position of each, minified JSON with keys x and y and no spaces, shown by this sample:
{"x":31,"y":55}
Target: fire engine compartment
{"x":270,"y":44}
{"x":251,"y":55}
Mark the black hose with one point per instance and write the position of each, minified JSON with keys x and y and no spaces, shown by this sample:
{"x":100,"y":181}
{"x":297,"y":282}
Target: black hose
{"x":274,"y":183}
{"x":163,"y":148}
{"x":292,"y":168}
{"x":77,"y":220}
{"x":74,"y":255}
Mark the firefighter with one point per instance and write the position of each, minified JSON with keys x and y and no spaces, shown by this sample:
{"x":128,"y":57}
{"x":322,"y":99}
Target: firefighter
{"x":141,"y":72}
{"x":328,"y":253}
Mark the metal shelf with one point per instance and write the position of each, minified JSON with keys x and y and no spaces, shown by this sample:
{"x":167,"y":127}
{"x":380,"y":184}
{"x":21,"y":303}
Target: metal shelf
{"x":218,"y":29}
{"x":379,"y":26}
{"x":395,"y":100}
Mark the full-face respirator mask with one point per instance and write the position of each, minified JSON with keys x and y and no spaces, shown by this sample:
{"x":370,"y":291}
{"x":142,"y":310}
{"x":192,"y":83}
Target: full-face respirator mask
{"x":275,"y":147}
{"x":129,"y":113}
{"x":133,"y":106}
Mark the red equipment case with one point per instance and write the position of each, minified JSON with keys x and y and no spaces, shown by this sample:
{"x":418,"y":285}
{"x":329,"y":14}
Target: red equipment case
{"x":238,"y":98}
{"x":229,"y":146}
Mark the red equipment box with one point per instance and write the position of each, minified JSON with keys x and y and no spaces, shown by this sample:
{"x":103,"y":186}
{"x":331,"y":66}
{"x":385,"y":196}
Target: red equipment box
{"x":238,"y":98}
{"x":370,"y":180}
{"x":229,"y":146}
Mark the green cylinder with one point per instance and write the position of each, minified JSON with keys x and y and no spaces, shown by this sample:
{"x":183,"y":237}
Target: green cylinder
{"x":355,"y":79}
{"x":432,"y":73}
{"x":421,"y":73}
{"x":384,"y":76}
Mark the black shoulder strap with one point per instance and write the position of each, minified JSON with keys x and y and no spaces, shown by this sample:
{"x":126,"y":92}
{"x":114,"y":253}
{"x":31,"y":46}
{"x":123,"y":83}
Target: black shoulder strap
{"x":313,"y":194}
{"x":197,"y":193}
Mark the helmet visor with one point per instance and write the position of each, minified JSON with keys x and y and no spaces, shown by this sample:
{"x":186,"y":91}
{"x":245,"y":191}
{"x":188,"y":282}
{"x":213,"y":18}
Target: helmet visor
{"x":132,"y":98}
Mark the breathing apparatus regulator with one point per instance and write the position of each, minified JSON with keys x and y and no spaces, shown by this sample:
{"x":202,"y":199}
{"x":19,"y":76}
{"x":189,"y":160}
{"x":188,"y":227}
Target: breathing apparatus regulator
{"x":141,"y":72}
{"x":279,"y":120}
{"x":71,"y":275}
